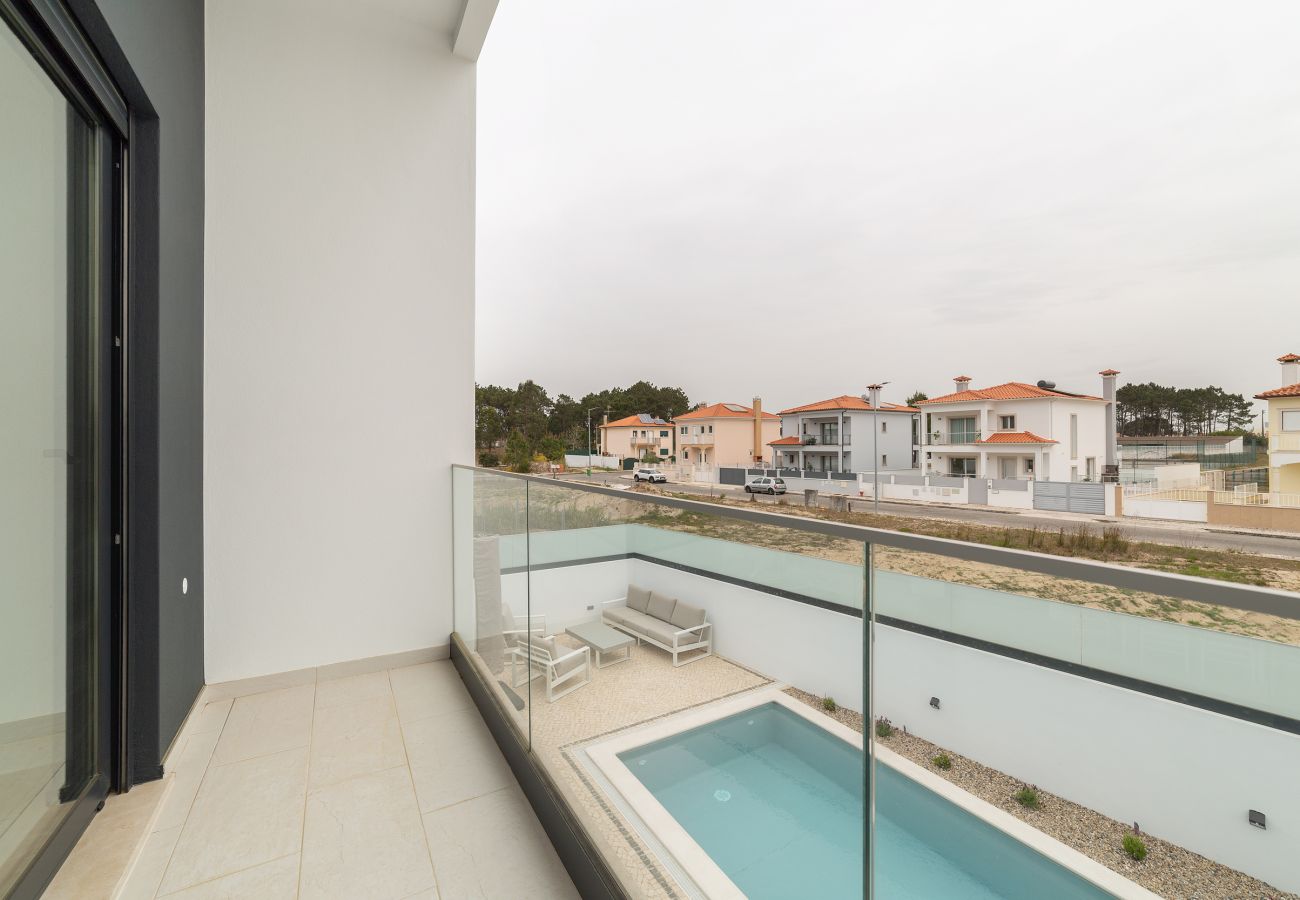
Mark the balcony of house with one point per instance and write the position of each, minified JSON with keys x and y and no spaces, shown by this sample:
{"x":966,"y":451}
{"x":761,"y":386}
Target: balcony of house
{"x":695,"y":440}
{"x":691,"y":680}
{"x":1284,"y":450}
{"x":964,"y":437}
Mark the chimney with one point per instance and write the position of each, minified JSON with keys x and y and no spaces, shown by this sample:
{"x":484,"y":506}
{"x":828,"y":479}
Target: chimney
{"x":758,"y":430}
{"x":962,"y":382}
{"x":1290,"y":369}
{"x":1111,"y":470}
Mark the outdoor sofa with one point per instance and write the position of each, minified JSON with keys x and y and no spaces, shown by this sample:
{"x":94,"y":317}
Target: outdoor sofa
{"x":663,"y":621}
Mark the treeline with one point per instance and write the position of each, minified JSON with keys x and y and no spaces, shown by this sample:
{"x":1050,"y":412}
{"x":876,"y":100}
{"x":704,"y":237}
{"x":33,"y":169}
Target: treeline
{"x":1148,"y":410}
{"x":527,"y":422}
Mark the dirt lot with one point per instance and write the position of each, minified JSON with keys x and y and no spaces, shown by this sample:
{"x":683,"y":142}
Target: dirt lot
{"x":1108,"y":545}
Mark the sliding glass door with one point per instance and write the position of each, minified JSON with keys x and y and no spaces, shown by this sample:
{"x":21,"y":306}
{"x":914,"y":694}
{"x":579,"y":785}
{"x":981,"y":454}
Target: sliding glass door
{"x":57,"y":457}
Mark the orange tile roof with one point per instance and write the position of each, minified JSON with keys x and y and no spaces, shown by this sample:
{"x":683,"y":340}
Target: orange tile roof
{"x":1290,"y":357}
{"x":1015,"y":437}
{"x":792,"y":439}
{"x":1012,"y":390}
{"x":722,"y":411}
{"x":1290,"y":390}
{"x":846,"y":402}
{"x":637,"y":421}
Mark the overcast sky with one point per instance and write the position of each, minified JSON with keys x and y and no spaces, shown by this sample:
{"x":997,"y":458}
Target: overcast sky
{"x":792,"y":200}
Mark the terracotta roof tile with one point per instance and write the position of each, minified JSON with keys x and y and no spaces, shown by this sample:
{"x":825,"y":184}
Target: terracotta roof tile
{"x":1012,"y":390}
{"x":636,"y":421}
{"x":1015,"y":437}
{"x":846,"y":402}
{"x":1290,"y":390}
{"x":792,"y":439}
{"x":1290,"y":357}
{"x":723,"y":411}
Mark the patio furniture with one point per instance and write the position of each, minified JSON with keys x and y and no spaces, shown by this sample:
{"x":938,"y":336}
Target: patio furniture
{"x":663,"y":621}
{"x":562,"y":668}
{"x":514,"y":627}
{"x":603,"y":639}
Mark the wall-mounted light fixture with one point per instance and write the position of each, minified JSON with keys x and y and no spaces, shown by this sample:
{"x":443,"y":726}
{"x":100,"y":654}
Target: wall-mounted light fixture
{"x":934,"y":702}
{"x":1257,"y":819}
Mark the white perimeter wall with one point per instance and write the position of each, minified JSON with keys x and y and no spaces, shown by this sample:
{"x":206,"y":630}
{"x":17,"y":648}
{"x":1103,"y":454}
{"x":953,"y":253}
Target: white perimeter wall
{"x":1182,"y":510}
{"x":1180,"y":772}
{"x":339,"y":327}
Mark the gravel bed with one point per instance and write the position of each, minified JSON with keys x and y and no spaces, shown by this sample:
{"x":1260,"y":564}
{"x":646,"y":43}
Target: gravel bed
{"x":1168,"y":870}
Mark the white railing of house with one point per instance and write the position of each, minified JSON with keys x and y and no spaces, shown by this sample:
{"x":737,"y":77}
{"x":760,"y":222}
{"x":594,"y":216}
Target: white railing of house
{"x":1290,"y":441}
{"x":1212,"y":480}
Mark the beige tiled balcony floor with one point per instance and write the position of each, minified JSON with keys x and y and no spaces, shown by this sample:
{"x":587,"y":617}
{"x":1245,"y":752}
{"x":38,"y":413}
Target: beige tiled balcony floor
{"x":381,"y":785}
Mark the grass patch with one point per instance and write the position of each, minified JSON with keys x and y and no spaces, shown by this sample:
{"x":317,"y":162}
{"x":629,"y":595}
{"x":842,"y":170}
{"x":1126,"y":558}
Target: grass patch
{"x":1135,"y":847}
{"x":1028,"y":798}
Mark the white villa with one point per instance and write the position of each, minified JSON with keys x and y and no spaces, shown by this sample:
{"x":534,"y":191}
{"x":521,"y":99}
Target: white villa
{"x":1020,"y":430}
{"x":836,"y":436}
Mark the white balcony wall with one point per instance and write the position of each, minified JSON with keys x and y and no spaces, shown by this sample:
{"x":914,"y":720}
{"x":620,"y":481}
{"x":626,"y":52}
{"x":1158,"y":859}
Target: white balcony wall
{"x":339,"y":318}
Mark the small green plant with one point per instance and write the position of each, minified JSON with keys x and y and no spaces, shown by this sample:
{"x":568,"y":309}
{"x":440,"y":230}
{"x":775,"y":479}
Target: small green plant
{"x":829,"y":704}
{"x":942,"y":761}
{"x":1028,"y":797}
{"x":1135,"y":847}
{"x":488,"y":459}
{"x":883,"y":728}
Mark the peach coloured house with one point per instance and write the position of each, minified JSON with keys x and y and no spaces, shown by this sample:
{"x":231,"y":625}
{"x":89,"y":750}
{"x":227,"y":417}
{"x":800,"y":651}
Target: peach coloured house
{"x":725,"y":434}
{"x":1284,"y":428}
{"x":637,"y":435}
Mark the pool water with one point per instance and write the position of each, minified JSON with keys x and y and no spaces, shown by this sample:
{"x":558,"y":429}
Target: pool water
{"x":776,"y":801}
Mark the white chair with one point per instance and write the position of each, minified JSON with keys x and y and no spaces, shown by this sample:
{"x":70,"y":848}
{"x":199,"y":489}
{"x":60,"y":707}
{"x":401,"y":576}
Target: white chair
{"x":515,"y":627}
{"x":564,"y":669}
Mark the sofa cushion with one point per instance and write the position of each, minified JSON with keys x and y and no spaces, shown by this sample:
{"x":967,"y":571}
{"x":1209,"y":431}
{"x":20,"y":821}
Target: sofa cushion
{"x":687,"y":616}
{"x":661,"y":607}
{"x":619,"y":614}
{"x":638,"y":598}
{"x":660,"y":631}
{"x":638,"y":621}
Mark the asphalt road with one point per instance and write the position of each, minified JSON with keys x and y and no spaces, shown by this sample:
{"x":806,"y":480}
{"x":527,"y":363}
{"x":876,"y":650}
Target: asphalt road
{"x":1178,"y":534}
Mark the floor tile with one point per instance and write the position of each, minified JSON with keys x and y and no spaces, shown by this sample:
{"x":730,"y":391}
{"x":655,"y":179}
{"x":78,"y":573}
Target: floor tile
{"x":108,"y":848}
{"x":211,"y":718}
{"x":266,"y":723}
{"x":355,"y":739}
{"x":493,"y":846}
{"x":453,"y":758}
{"x":363,"y":838}
{"x":275,"y":880}
{"x":428,"y":689}
{"x":142,"y":883}
{"x":353,"y":689}
{"x":187,"y":774}
{"x":246,"y":813}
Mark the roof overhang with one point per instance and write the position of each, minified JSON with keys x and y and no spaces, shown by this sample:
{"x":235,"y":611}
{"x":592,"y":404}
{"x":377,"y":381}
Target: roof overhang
{"x":471,"y":31}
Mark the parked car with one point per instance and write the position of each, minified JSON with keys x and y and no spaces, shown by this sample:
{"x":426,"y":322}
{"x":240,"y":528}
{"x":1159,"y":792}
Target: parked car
{"x":765,"y":485}
{"x":646,"y":473}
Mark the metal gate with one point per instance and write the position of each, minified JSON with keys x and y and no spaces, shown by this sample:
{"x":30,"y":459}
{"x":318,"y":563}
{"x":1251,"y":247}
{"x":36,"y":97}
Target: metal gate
{"x":1070,"y":496}
{"x":978,"y":491}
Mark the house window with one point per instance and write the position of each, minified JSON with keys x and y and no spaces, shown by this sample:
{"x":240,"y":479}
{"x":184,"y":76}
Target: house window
{"x":1090,"y":468}
{"x":1074,"y":437}
{"x":710,"y":429}
{"x":663,"y":451}
{"x":884,"y":427}
{"x":1007,"y":423}
{"x":684,"y":427}
{"x":963,"y":430}
{"x":686,"y":455}
{"x":663,"y":434}
{"x":1029,"y":465}
{"x":884,"y":460}
{"x":964,"y":466}
{"x":1290,"y":419}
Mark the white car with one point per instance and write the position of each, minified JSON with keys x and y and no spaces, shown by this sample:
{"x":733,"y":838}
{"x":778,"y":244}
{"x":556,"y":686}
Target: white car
{"x":765,"y":485}
{"x":650,"y":475}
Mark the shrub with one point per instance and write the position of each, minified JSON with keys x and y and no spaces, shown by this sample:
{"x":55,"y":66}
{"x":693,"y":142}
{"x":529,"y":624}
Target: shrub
{"x":829,"y":704}
{"x":942,"y":761}
{"x":488,"y":459}
{"x":1027,"y":797}
{"x":1135,"y":847}
{"x":552,"y":448}
{"x":883,"y":728}
{"x":518,"y":455}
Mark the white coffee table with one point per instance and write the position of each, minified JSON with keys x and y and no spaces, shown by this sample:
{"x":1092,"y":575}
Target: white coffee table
{"x":603,"y":639}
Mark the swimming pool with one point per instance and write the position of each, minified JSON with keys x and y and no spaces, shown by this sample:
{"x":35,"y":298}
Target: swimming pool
{"x":775,"y":801}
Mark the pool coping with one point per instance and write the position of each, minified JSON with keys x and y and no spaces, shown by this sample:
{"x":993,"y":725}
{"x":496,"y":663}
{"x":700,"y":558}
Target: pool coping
{"x":715,"y":883}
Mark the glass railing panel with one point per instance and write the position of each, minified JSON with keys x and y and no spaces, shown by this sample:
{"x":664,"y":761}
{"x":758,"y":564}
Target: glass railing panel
{"x":490,"y":579}
{"x":662,"y":625}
